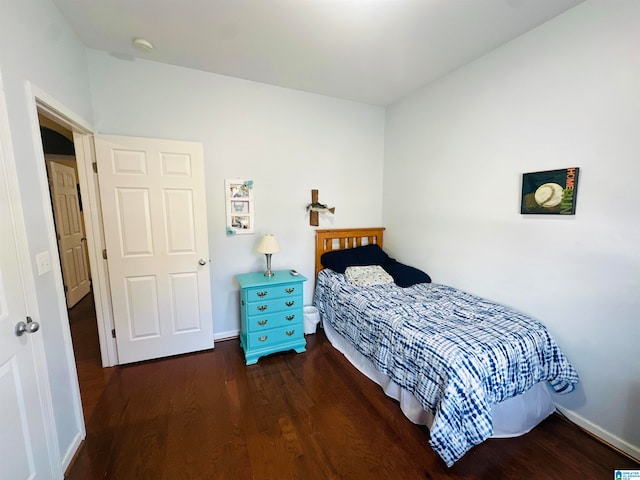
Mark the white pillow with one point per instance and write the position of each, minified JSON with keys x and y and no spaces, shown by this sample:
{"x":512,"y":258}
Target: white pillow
{"x":369,"y":275}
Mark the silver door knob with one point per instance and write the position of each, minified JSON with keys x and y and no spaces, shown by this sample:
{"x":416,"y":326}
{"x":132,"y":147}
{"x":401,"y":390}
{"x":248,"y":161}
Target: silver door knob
{"x":29,"y":327}
{"x":202,"y":261}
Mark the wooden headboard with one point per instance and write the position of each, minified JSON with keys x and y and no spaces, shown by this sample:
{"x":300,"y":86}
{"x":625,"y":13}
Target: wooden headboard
{"x":339,"y":239}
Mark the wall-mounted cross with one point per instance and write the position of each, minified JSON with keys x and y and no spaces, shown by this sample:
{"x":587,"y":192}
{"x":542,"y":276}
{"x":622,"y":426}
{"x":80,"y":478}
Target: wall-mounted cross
{"x":313,"y":214}
{"x":315,"y":207}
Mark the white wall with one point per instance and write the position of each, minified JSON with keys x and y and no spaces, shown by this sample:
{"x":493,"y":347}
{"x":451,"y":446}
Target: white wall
{"x":564,"y":95}
{"x":38,"y":48}
{"x":287,"y":141}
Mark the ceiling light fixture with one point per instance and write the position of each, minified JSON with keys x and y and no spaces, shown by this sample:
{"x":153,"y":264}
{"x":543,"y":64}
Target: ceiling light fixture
{"x":142,"y":44}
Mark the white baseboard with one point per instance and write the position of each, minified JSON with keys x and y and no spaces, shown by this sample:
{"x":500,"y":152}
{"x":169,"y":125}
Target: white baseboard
{"x":631,"y":450}
{"x":74,"y":446}
{"x":226,"y":335}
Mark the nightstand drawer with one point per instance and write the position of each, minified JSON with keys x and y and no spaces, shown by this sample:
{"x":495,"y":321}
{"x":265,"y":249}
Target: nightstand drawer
{"x":257,"y":323}
{"x":269,"y":306}
{"x":276,"y":337}
{"x":269,"y":293}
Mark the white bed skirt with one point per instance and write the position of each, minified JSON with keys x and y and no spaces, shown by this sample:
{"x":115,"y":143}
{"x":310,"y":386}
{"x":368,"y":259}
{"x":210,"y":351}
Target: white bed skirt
{"x":511,"y":418}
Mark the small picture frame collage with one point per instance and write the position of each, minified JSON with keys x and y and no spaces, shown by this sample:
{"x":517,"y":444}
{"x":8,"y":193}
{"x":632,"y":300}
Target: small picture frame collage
{"x":239,"y":206}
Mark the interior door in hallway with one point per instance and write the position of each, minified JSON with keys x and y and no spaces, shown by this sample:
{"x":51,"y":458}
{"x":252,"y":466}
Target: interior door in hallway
{"x":155,"y":222}
{"x":70,"y":232}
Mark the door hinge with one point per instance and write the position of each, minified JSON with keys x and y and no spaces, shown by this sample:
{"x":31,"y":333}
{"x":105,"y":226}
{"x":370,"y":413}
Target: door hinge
{"x":113,"y":333}
{"x":95,"y":167}
{"x":104,"y":253}
{"x":66,"y":289}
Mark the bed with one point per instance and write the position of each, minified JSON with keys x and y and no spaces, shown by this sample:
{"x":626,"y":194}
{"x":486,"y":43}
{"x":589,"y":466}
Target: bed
{"x":466,"y":367}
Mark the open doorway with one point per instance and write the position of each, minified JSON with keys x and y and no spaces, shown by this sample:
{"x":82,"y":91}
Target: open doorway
{"x":66,"y":201}
{"x":155,"y":318}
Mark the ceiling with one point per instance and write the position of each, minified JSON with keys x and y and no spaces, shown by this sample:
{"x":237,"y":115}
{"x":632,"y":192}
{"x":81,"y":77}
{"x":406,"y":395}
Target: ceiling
{"x":371,"y":51}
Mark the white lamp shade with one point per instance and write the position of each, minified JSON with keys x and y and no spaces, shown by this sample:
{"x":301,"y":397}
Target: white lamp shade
{"x":268,"y":244}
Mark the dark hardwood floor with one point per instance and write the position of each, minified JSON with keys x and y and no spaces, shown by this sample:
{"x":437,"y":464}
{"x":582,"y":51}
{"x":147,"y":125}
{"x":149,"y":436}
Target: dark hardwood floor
{"x":86,"y":348}
{"x":294,"y":416}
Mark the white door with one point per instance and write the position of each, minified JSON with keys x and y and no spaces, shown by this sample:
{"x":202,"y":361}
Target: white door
{"x":155,"y":222}
{"x":66,"y":214}
{"x":24,"y":449}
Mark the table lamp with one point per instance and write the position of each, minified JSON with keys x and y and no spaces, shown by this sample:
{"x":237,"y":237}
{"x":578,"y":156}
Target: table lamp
{"x":268,"y":245}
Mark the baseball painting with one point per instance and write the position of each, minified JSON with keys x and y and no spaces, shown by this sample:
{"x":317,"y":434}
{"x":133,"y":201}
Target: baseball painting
{"x":550,"y":192}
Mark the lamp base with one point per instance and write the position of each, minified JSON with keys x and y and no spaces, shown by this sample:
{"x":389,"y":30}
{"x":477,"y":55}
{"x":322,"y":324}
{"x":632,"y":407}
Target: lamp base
{"x":268,"y":273}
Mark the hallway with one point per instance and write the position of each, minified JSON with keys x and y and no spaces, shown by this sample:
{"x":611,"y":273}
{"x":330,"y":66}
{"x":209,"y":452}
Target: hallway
{"x":84,"y":333}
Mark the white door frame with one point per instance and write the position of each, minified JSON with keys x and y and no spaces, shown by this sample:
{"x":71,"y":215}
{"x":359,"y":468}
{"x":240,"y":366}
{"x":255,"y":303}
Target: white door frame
{"x":83,"y":141}
{"x":85,"y":157}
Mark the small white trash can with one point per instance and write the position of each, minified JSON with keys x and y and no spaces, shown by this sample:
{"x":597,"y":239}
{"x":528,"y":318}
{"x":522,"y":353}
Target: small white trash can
{"x":311,"y":319}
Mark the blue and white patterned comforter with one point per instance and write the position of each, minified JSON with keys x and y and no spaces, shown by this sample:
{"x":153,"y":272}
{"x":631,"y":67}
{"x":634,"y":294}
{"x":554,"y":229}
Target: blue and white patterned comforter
{"x":455,"y":352}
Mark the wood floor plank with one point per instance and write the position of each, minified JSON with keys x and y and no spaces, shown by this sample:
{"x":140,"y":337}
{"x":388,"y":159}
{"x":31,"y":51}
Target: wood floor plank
{"x":295,"y":416}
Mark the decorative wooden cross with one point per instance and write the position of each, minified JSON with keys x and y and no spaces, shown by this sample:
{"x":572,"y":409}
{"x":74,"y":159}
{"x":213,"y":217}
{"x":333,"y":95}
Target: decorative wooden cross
{"x":313,"y":214}
{"x":315,"y":207}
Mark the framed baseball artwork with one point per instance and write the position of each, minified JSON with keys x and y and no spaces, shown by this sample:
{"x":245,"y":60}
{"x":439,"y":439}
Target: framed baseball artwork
{"x":552,"y":192}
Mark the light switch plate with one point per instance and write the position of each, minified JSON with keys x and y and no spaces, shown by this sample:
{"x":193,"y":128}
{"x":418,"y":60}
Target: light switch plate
{"x":43,"y":260}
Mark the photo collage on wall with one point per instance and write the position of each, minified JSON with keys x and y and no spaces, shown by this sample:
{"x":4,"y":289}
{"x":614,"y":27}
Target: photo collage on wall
{"x":239,"y":206}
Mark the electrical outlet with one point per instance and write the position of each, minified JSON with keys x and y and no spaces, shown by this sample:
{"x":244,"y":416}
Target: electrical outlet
{"x":43,"y":261}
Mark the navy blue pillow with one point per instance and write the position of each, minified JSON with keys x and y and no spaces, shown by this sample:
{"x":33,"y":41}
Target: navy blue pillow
{"x":339,"y":260}
{"x":404,"y":275}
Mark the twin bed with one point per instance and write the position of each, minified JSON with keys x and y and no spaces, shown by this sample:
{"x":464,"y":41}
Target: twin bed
{"x":466,"y":367}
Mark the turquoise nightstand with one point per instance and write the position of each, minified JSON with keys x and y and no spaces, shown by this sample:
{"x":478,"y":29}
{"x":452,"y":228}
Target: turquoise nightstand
{"x":271,"y":314}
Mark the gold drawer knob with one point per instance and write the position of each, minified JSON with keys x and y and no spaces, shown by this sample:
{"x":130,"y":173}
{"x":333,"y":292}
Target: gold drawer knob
{"x":263,"y":338}
{"x":262,"y":308}
{"x":290,"y":332}
{"x":262,"y":323}
{"x":290,"y":317}
{"x":289,"y":304}
{"x":262,"y":294}
{"x":289,"y":290}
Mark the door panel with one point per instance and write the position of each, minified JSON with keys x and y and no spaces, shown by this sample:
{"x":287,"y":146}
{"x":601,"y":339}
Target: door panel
{"x":66,"y":214}
{"x":134,"y":225}
{"x":154,"y":211}
{"x":142,"y":302}
{"x":184,"y":300}
{"x":16,"y":423}
{"x":180,"y":231}
{"x":25,"y":452}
